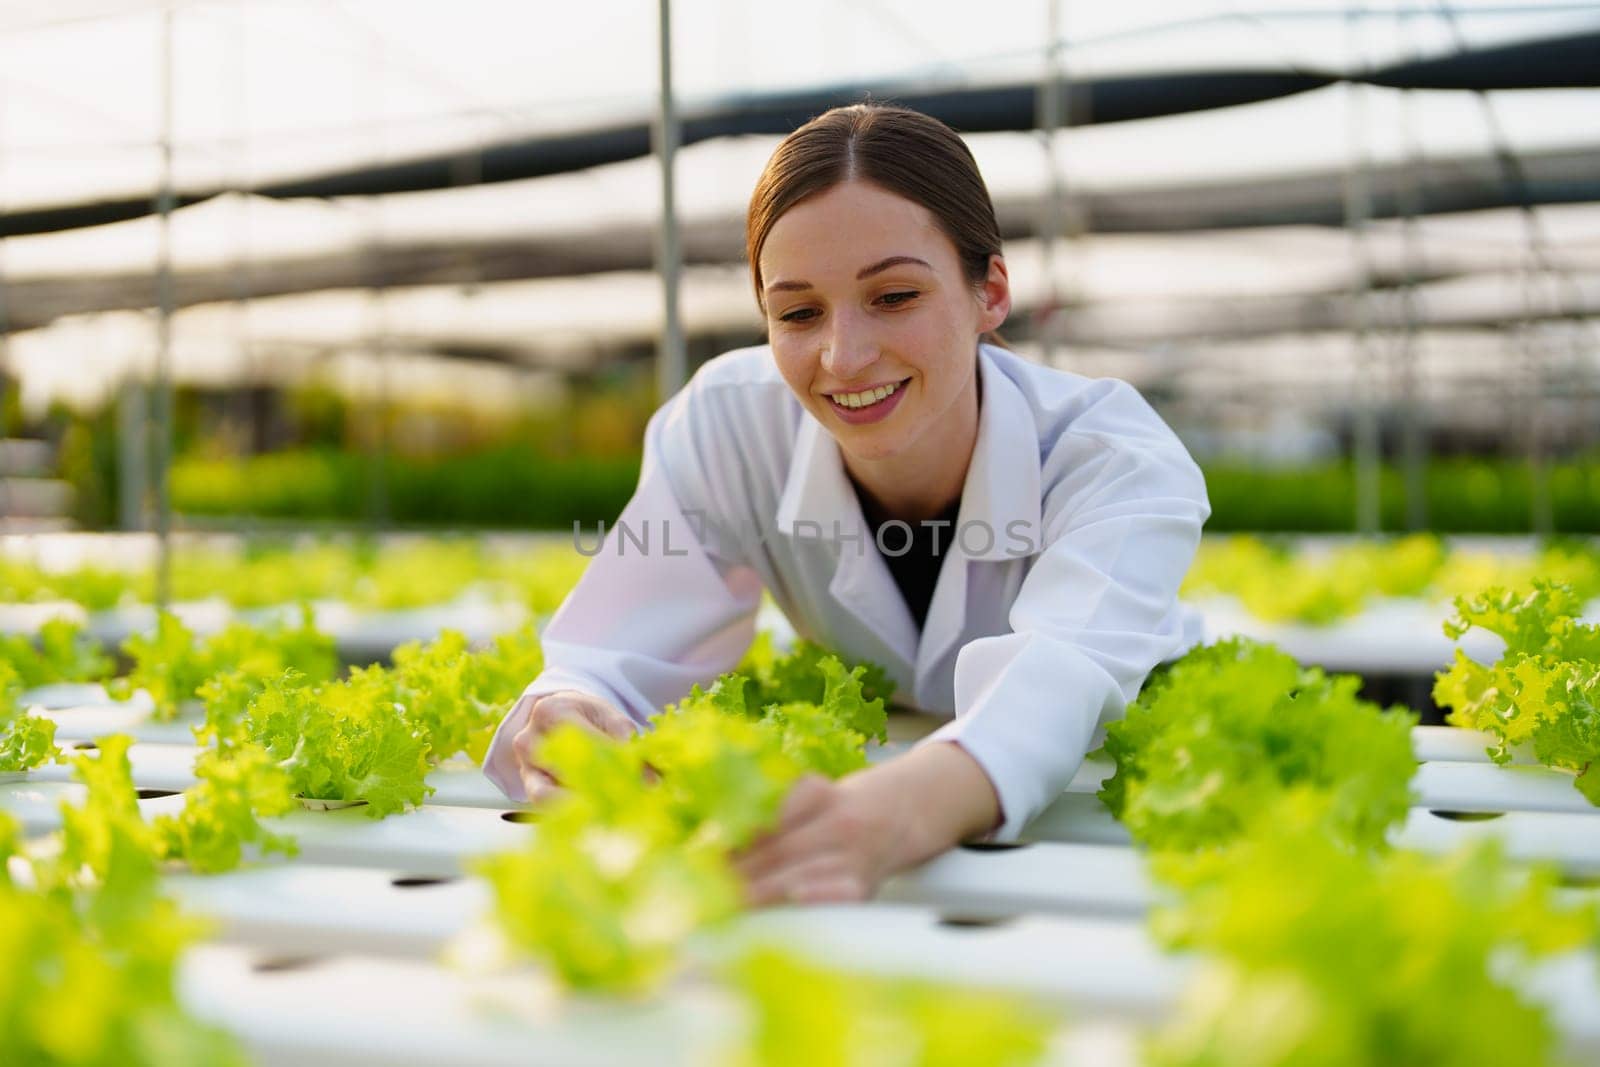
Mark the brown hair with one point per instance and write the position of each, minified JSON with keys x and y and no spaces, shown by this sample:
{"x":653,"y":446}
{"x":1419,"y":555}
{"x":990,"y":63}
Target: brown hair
{"x":903,"y":151}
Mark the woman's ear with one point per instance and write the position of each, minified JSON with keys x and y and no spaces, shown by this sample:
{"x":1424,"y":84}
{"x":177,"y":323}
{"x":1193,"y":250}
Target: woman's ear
{"x":994,"y":296}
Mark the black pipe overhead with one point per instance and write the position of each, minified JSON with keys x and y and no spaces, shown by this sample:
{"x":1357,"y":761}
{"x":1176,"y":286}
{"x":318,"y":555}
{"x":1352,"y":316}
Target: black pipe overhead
{"x":1455,"y":184}
{"x":1571,"y":61}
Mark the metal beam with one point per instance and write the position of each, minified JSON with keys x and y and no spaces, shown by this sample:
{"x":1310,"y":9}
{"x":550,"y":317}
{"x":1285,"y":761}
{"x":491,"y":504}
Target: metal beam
{"x":162,"y":413}
{"x":672,"y":358}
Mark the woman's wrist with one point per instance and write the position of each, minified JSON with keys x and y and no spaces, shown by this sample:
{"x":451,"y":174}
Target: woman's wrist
{"x":939,"y":795}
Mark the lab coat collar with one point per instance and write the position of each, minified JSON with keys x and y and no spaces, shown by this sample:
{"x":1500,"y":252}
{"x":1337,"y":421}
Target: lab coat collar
{"x":1002,"y":488}
{"x":819,"y":503}
{"x":817,"y":490}
{"x":1002,"y":485}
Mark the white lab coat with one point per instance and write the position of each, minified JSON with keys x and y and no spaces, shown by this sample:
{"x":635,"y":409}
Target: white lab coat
{"x":1030,"y":641}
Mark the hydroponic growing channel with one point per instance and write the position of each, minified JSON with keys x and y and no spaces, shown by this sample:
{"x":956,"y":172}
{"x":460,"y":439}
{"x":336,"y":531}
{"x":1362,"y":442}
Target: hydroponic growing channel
{"x":367,"y":897}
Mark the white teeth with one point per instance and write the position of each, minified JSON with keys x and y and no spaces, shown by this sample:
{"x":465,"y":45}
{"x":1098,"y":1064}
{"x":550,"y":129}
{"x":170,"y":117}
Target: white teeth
{"x":866,"y":398}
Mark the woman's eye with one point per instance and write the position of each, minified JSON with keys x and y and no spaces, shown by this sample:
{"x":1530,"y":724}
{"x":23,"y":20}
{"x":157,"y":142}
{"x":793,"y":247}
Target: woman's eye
{"x":798,"y":315}
{"x":902,"y":297}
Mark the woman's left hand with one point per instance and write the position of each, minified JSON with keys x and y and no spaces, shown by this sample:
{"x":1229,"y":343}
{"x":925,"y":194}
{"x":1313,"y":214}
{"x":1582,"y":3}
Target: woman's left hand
{"x":839,"y":841}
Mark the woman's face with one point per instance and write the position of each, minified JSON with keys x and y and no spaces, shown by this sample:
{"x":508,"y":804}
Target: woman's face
{"x":872,"y":321}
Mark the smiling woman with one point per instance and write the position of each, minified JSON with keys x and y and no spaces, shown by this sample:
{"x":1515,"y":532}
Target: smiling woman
{"x":1006,"y":540}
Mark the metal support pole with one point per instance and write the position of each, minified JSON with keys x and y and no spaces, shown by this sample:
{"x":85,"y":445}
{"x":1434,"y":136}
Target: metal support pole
{"x":1411,"y":411}
{"x":1532,"y":350}
{"x":1537,"y":262}
{"x":382,"y":404}
{"x":1367,"y":445}
{"x":1050,"y":119}
{"x":671,"y":357}
{"x":163,"y":407}
{"x":244,"y":406}
{"x":378,"y":443}
{"x":1415,"y":426}
{"x":6,"y":380}
{"x":133,"y":452}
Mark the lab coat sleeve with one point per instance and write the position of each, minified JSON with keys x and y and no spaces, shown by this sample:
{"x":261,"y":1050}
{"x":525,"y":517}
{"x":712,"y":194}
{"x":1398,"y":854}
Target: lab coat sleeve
{"x":657,"y":610}
{"x":1123,"y":510}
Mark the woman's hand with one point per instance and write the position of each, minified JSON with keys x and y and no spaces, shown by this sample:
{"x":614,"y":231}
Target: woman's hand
{"x":831,"y":844}
{"x":839,"y":841}
{"x":555,"y":709}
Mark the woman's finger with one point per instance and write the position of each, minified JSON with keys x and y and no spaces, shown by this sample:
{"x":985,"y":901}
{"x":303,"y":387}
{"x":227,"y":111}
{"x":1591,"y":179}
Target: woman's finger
{"x":808,"y":797}
{"x":607,"y":719}
{"x":838,"y":889}
{"x":821,"y":880}
{"x":559,"y":709}
{"x":539,"y":785}
{"x":547,"y":714}
{"x":796,"y":882}
{"x":524,"y":740}
{"x":787,"y":848}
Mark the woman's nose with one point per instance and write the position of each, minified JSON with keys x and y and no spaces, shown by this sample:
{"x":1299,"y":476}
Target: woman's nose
{"x":849,"y":349}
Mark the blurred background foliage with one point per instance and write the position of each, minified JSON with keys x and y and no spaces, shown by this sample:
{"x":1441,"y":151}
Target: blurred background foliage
{"x":578,"y":462}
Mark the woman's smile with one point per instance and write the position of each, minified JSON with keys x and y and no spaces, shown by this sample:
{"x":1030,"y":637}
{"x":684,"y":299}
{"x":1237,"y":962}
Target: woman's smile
{"x":871,"y":404}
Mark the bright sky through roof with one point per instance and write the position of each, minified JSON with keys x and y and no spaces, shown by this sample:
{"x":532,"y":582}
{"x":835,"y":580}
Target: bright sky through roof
{"x":274,"y":88}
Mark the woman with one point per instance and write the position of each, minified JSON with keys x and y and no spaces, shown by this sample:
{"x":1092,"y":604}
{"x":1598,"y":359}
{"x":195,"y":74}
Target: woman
{"x":1005,"y":539}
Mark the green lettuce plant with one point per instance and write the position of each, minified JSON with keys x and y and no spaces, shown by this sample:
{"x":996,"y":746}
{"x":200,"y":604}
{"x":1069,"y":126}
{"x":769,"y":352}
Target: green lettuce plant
{"x":1543,"y":692}
{"x":1232,"y":727}
{"x":62,"y":652}
{"x":802,"y":1014}
{"x":633,"y":857}
{"x":26,"y":741}
{"x":90,"y":978}
{"x":1319,"y":954}
{"x":173,"y":666}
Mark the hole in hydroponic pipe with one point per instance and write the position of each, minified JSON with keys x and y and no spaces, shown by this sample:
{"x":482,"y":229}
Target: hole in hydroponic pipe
{"x":975,"y":922}
{"x":519,"y":816}
{"x":994,"y":846}
{"x":156,"y":794}
{"x":279,"y":964}
{"x":1468,"y":816}
{"x":84,"y":746}
{"x":418,"y":881}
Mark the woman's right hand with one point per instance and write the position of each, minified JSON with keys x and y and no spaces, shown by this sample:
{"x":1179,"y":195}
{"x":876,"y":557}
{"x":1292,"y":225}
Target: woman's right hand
{"x":583,"y":710}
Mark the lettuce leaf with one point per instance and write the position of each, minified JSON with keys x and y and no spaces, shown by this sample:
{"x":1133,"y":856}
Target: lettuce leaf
{"x":173,"y":666}
{"x":168,"y":664}
{"x":1543,"y":692}
{"x":344,"y":741}
{"x":220,"y":813}
{"x":634,"y":854}
{"x":1321,"y":954}
{"x":62,"y":653}
{"x":26,"y":741}
{"x":1231,"y":727}
{"x":796,"y":676}
{"x":806,"y":1014}
{"x":91,"y":955}
{"x":1278,"y":584}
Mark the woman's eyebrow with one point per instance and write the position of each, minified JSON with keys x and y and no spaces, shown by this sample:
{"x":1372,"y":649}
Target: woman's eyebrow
{"x":864,"y":272}
{"x":892,"y":261}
